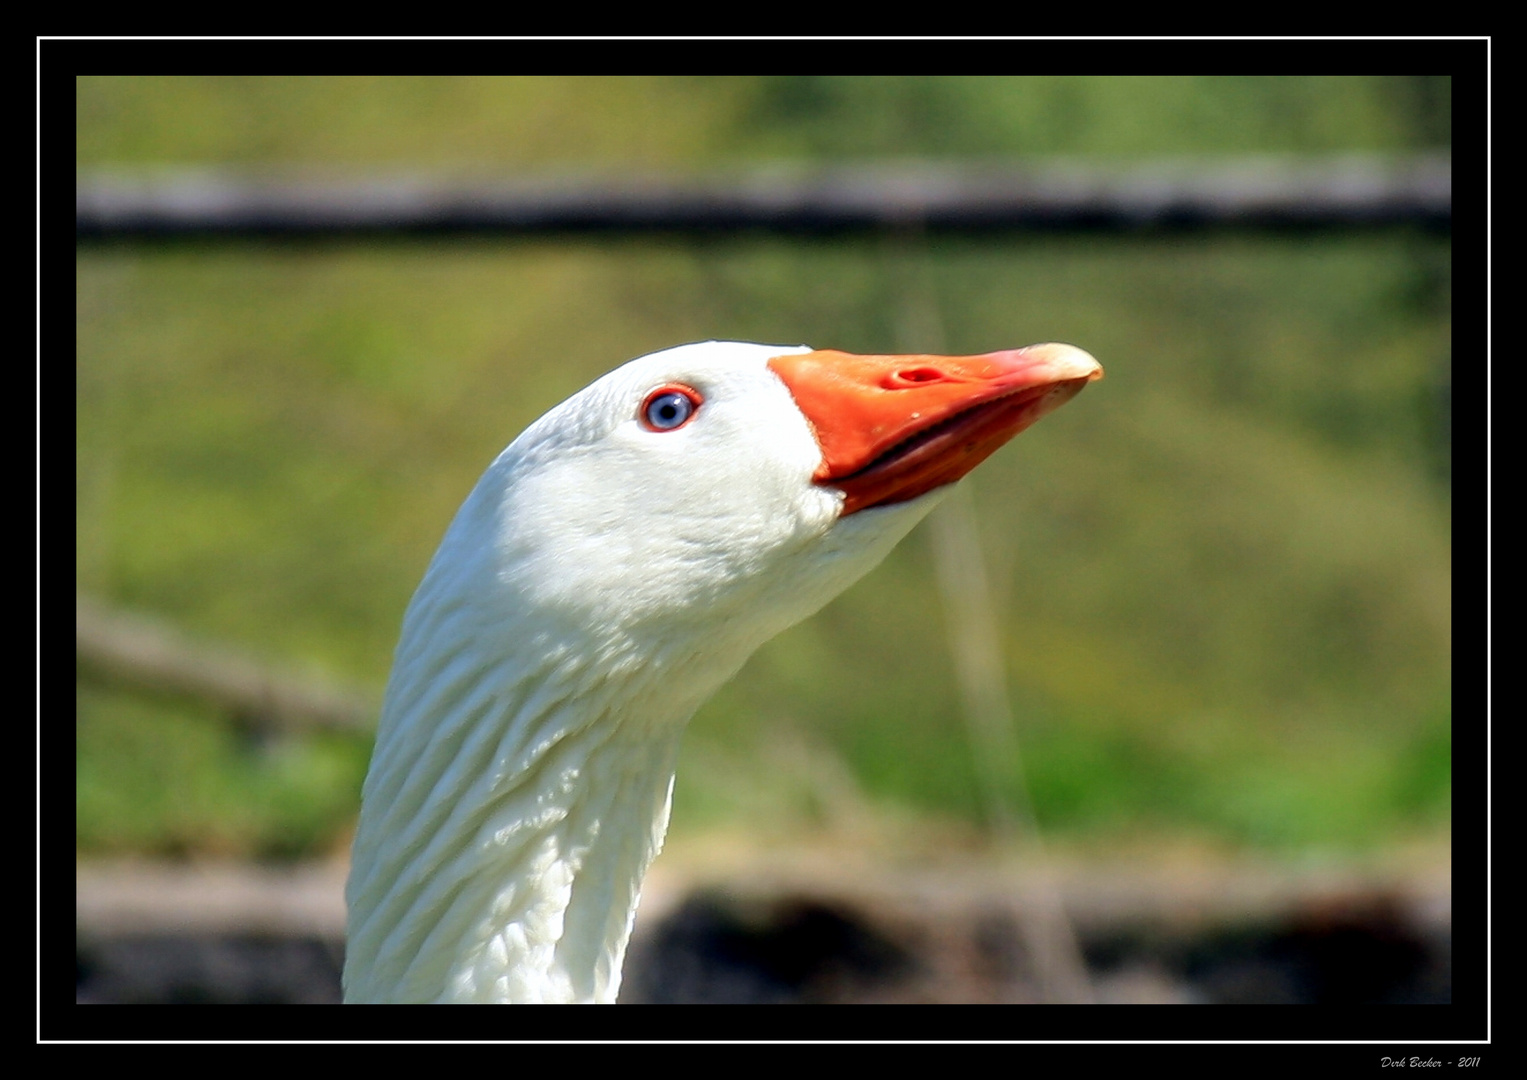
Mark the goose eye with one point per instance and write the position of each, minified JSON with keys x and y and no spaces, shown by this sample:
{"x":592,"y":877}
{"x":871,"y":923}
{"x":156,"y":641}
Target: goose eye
{"x":669,"y":407}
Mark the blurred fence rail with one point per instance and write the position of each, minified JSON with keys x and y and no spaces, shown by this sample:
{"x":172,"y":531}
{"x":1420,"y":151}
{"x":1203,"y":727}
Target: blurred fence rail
{"x":1263,"y":192}
{"x":150,"y":655}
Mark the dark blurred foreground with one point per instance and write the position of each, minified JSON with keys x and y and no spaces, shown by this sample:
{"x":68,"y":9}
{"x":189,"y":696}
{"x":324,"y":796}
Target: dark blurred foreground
{"x":1204,"y":942}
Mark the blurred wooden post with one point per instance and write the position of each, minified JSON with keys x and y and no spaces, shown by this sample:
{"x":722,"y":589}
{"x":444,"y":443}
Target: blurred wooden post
{"x":975,"y":646}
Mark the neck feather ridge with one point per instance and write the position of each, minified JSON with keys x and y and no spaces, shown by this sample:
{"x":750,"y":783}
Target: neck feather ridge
{"x":500,"y":852}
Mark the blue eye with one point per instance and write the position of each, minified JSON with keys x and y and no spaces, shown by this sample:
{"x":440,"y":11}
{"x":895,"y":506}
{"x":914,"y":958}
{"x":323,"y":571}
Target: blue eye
{"x":669,"y":407}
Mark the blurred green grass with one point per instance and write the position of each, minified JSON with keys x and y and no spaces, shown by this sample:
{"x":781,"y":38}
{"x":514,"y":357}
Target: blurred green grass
{"x":1224,"y":572}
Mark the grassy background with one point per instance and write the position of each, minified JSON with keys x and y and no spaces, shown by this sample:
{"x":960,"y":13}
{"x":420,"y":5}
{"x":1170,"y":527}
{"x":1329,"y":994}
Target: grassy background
{"x":1224,"y":572}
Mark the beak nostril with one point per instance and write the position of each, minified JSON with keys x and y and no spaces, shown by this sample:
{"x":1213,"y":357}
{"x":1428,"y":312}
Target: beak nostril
{"x":915,"y":376}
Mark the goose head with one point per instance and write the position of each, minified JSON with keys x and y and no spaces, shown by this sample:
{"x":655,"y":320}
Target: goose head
{"x":616,"y":564}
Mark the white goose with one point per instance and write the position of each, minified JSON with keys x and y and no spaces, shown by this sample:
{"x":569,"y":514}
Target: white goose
{"x":614,"y":566}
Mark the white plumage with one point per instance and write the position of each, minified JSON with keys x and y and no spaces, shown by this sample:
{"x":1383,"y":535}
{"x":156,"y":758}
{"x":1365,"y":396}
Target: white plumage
{"x":614,"y":566}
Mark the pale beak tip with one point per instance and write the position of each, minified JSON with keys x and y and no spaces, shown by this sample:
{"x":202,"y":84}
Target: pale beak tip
{"x":1072,"y":362}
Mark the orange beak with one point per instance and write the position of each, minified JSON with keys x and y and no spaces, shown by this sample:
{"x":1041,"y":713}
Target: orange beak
{"x":892,"y":428}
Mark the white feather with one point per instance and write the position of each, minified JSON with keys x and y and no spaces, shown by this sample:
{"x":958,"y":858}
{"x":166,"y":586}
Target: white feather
{"x":600,"y":582}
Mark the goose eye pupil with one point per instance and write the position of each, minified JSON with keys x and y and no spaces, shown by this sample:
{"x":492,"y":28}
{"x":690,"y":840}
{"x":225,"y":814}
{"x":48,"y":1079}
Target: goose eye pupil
{"x":667,"y":411}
